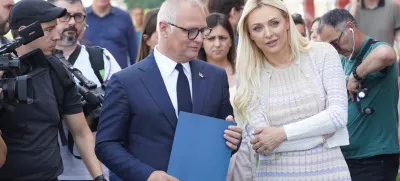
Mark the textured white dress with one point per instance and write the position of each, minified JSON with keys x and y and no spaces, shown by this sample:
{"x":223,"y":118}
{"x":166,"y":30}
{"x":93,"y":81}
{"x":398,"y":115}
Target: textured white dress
{"x":292,"y":99}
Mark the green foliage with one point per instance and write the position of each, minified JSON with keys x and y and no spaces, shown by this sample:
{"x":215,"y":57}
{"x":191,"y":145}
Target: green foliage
{"x":143,"y":3}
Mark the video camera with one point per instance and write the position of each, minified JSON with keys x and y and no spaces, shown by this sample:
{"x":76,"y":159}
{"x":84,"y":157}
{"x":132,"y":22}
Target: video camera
{"x":92,"y":96}
{"x":18,"y":71}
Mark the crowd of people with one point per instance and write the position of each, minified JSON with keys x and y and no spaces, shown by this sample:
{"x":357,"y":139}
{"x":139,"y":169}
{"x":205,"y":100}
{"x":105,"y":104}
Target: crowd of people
{"x":314,"y":101}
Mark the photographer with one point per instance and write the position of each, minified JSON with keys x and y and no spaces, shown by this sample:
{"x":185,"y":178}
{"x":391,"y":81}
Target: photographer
{"x":31,"y":130}
{"x":84,"y":58}
{"x":95,"y":63}
{"x":373,"y":153}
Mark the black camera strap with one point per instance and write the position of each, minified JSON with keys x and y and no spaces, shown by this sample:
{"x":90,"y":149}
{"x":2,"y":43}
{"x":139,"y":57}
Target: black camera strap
{"x":95,"y":57}
{"x":360,"y":56}
{"x":359,"y":59}
{"x":74,"y":55}
{"x":61,"y":83}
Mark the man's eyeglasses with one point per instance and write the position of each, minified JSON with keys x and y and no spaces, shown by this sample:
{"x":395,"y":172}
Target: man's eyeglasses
{"x":194,"y":32}
{"x":335,"y":43}
{"x":79,"y":18}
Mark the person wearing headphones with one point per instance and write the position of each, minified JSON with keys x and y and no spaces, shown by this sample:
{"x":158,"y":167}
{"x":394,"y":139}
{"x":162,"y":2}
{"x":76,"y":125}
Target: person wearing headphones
{"x":373,"y":94}
{"x":95,"y":63}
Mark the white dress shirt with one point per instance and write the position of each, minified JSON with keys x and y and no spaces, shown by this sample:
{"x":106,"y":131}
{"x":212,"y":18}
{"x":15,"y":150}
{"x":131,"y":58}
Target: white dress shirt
{"x":170,"y":76}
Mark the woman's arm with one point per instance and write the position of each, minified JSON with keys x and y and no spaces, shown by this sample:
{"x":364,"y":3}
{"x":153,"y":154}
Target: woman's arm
{"x":335,"y":116}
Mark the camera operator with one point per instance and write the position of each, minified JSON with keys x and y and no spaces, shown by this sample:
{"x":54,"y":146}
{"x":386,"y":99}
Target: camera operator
{"x":80,"y":56}
{"x":96,"y":64}
{"x":31,"y":130}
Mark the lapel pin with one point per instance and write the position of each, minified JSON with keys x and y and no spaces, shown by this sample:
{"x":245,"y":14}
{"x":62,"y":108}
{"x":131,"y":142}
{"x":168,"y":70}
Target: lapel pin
{"x":201,"y":75}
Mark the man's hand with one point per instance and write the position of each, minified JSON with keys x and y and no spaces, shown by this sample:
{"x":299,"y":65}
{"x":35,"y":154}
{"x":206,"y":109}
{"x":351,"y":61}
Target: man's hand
{"x":352,"y":87}
{"x":233,"y":135}
{"x":161,"y":176}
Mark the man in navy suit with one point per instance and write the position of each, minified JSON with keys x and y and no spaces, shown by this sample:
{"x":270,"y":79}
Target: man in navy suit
{"x":142,"y":102}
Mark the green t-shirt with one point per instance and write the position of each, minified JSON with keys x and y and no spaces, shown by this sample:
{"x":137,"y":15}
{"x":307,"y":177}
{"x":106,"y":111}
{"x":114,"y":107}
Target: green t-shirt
{"x":375,"y":134}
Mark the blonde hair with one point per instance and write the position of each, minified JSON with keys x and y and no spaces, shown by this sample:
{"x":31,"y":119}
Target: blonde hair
{"x":249,"y":62}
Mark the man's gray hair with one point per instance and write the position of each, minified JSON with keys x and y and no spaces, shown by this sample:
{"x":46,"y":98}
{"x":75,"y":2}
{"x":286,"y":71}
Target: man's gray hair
{"x":336,"y":18}
{"x":169,"y":10}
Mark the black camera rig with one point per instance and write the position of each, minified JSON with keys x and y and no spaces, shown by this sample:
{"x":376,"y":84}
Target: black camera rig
{"x":17,"y":72}
{"x":92,"y":96}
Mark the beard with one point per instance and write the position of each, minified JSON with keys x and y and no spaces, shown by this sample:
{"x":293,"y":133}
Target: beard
{"x":69,"y":36}
{"x":4,"y":28}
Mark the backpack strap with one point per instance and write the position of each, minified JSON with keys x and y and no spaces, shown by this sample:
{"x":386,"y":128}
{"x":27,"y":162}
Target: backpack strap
{"x":359,"y":59}
{"x":60,"y":81}
{"x":75,"y":54}
{"x":364,"y":51}
{"x":96,"y":61}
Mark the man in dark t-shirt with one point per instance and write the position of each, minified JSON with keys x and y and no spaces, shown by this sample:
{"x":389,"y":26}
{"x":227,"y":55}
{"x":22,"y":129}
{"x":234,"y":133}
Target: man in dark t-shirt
{"x":31,"y":130}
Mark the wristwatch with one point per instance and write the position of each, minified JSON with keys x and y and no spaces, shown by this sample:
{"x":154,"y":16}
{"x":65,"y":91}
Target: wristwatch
{"x":100,"y":178}
{"x":355,"y":75}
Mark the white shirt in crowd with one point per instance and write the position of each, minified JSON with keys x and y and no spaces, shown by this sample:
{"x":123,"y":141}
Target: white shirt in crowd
{"x":83,"y":64}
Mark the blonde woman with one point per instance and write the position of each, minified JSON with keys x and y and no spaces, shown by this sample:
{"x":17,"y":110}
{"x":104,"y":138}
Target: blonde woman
{"x":291,"y":101}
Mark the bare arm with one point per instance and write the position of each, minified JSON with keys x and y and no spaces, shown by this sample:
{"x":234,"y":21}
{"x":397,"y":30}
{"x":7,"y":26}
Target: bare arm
{"x":84,"y":140}
{"x":3,"y":151}
{"x":379,"y":58}
{"x":3,"y":146}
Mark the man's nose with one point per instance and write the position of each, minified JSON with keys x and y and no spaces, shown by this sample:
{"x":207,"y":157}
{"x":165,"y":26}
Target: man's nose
{"x":200,"y":38}
{"x":72,"y":21}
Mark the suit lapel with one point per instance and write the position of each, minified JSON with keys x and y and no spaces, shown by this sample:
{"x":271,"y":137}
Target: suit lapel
{"x":156,"y":87}
{"x":198,"y":85}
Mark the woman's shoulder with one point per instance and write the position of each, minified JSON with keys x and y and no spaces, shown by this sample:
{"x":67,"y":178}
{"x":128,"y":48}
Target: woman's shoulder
{"x":319,"y":50}
{"x":318,"y":47}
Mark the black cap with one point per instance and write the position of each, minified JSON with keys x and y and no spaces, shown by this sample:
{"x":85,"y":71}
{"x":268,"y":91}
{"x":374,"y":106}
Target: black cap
{"x":26,"y":12}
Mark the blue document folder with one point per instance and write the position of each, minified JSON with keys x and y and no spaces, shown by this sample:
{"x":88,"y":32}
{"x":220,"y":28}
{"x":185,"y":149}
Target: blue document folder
{"x":199,"y":151}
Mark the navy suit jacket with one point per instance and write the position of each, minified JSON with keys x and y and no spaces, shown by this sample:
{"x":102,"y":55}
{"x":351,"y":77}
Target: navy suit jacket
{"x":138,"y":121}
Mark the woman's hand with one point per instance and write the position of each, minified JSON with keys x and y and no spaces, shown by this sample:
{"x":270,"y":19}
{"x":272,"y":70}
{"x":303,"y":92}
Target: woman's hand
{"x":268,"y":138}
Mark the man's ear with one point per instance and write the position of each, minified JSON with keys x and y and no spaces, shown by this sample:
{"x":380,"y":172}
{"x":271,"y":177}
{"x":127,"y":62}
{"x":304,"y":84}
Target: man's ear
{"x":350,"y":24}
{"x":164,"y":28}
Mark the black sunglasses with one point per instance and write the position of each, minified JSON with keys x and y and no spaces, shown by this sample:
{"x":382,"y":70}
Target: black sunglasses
{"x":194,"y":32}
{"x":335,"y":43}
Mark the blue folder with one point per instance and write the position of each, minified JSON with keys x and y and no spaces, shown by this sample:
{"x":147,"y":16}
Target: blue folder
{"x":199,"y":151}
